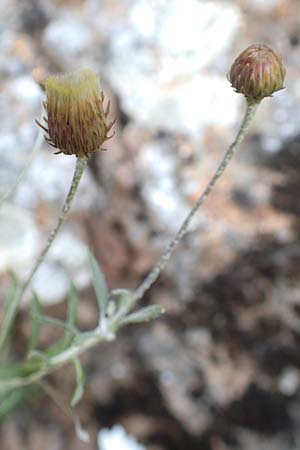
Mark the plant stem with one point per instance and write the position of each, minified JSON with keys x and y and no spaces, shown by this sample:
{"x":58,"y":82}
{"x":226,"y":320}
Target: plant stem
{"x":13,"y":307}
{"x":80,"y":165}
{"x":99,"y":335}
{"x":161,"y":264}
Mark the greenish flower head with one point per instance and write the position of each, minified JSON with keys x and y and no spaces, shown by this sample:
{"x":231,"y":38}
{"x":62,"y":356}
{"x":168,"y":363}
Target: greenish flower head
{"x":76,"y":117}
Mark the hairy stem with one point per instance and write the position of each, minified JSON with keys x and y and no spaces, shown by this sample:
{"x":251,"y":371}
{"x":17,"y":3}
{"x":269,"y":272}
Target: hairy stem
{"x":80,"y":165}
{"x":88,"y":340}
{"x":161,"y":264}
{"x":13,"y":307}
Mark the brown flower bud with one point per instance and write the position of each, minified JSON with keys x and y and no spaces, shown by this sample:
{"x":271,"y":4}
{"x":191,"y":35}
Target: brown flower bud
{"x":76,"y":122}
{"x":257,"y":72}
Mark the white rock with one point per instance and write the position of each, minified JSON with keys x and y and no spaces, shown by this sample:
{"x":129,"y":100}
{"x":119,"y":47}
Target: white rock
{"x":158,"y":164}
{"x":49,"y":179}
{"x":71,"y":254}
{"x":19,"y":238}
{"x":289,"y":381}
{"x":26,"y":90}
{"x":183,"y":34}
{"x":265,"y":5}
{"x":20,"y":244}
{"x":8,"y":144}
{"x":65,"y":262}
{"x":187,"y":107}
{"x":156,"y":60}
{"x":279,"y":122}
{"x":50,"y":283}
{"x":198,"y":31}
{"x":66,"y":38}
{"x":69,"y":250}
{"x":117,"y":439}
{"x":142,"y":18}
{"x":10,"y":63}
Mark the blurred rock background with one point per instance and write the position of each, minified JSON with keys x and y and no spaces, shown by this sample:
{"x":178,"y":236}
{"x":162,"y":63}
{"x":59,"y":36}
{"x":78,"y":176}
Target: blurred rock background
{"x":221,"y":370}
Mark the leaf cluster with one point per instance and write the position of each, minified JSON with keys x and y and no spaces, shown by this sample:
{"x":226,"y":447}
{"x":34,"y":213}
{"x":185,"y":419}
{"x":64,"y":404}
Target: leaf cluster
{"x":19,"y":379}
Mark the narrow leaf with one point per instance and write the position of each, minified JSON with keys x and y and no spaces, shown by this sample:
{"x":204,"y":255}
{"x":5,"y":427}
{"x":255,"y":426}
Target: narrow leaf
{"x":70,"y":333}
{"x":57,"y":323}
{"x":71,"y":316}
{"x":81,"y":433}
{"x":21,"y":370}
{"x":35,"y":323}
{"x":66,"y":341}
{"x":10,"y":295}
{"x":144,"y":314}
{"x":9,"y":313}
{"x":80,"y":380}
{"x":73,"y":306}
{"x":99,"y":284}
{"x":10,"y":400}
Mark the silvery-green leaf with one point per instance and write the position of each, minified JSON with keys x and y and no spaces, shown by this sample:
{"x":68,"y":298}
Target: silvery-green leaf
{"x":20,"y":370}
{"x":99,"y":284}
{"x":144,"y":314}
{"x":72,"y":315}
{"x":81,"y":433}
{"x":66,"y":341}
{"x":10,"y":400}
{"x":12,"y":291}
{"x":58,"y":323}
{"x":35,"y":323}
{"x":58,"y":399}
{"x":80,"y":380}
{"x":9,"y":313}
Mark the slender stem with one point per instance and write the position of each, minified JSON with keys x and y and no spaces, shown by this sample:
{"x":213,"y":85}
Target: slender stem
{"x":161,"y":264}
{"x":80,"y":165}
{"x":9,"y":317}
{"x":22,"y":175}
{"x":93,"y":338}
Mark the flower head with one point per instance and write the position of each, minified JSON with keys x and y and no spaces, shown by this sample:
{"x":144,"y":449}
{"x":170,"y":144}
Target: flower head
{"x":257,"y":72}
{"x":76,"y":117}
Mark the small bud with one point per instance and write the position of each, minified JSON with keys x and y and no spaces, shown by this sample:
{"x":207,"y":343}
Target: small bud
{"x":76,"y":121}
{"x":257,"y":72}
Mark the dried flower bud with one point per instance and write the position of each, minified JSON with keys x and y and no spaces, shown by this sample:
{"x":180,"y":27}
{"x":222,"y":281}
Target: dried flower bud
{"x":257,"y":72}
{"x":76,"y":121}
